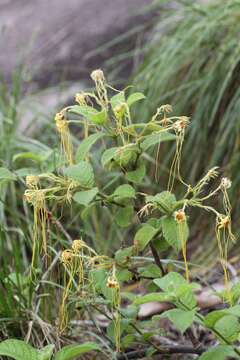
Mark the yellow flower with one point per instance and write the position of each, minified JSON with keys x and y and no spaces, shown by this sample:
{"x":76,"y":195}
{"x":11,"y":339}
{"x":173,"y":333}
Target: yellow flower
{"x":112,"y":283}
{"x":32,"y":181}
{"x":66,"y":257}
{"x":77,"y":245}
{"x":181,"y":124}
{"x":80,"y":98}
{"x":180,"y":215}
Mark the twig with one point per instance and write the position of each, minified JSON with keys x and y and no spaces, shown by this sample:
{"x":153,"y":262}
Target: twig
{"x":189,"y":332}
{"x":157,"y":258}
{"x":59,"y":226}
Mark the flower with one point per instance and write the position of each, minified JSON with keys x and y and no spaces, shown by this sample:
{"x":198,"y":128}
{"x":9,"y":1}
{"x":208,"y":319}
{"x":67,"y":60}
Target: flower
{"x":212,"y":173}
{"x":112,"y":283}
{"x":97,"y":75}
{"x":181,"y":124}
{"x":80,"y":98}
{"x":32,"y":181}
{"x":28,"y":196}
{"x":223,"y":222}
{"x":77,"y":245}
{"x":59,"y":116}
{"x":66,"y":256}
{"x":225,"y":183}
{"x":180,"y":215}
{"x":166,"y":108}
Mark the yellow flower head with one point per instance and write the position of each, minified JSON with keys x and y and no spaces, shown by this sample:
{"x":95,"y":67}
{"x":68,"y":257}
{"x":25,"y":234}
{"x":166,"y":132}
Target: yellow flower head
{"x":59,"y":116}
{"x":28,"y":196}
{"x":112,"y":283}
{"x":32,"y":181}
{"x":66,"y":257}
{"x":77,"y":245}
{"x":180,"y":215}
{"x":181,"y":124}
{"x":80,"y":98}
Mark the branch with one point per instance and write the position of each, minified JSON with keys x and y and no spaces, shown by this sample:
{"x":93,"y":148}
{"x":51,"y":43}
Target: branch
{"x":157,"y":258}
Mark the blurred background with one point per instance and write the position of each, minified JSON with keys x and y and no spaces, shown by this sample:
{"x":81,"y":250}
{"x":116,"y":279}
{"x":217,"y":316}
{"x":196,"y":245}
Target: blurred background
{"x":185,"y":53}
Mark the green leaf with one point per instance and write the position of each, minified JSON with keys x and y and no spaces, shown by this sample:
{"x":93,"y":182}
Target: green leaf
{"x":18,"y":350}
{"x":235,"y":293}
{"x":161,"y":244}
{"x":151,"y":271}
{"x":123,"y":255}
{"x":98,"y":278}
{"x":86,"y":145}
{"x":137,"y":96}
{"x":136,"y":176}
{"x":73,"y":351}
{"x":156,"y":138}
{"x":234,"y":310}
{"x":124,"y":275}
{"x":220,"y":352}
{"x":124,"y":191}
{"x":111,"y":329}
{"x":108,"y":155}
{"x":180,"y":318}
{"x":161,"y":297}
{"x":165,"y":200}
{"x":23,"y":172}
{"x":171,"y":231}
{"x":88,"y":112}
{"x":82,"y":173}
{"x":124,"y":215}
{"x":184,"y":293}
{"x":38,"y":157}
{"x":131,"y":311}
{"x":144,"y":236}
{"x":170,"y":282}
{"x":117,"y":99}
{"x":6,"y":175}
{"x":126,"y":154}
{"x":213,"y":317}
{"x":229,"y":327}
{"x":85,"y":197}
{"x":175,"y":285}
{"x":46,"y":352}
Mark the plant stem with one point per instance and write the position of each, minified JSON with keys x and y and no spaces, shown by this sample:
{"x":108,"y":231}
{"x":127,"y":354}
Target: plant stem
{"x":156,"y":258}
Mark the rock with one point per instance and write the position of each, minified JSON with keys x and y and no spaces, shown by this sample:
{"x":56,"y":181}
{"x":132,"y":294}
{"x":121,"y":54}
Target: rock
{"x":55,"y":37}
